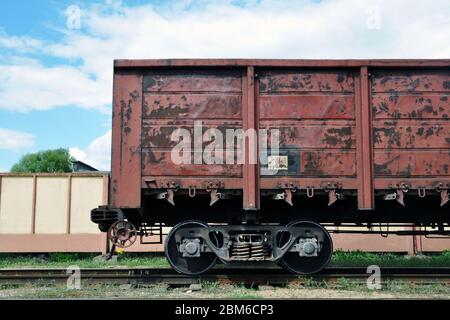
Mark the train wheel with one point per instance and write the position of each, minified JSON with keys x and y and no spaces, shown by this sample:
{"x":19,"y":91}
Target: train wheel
{"x":308,"y":265}
{"x":187,"y":265}
{"x":122,"y":234}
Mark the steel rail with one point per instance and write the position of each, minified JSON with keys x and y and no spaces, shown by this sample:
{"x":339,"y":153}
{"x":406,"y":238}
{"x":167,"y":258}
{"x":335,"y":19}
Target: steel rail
{"x":272,"y":276}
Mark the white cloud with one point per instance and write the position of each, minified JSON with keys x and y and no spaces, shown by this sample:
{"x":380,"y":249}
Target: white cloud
{"x":96,"y":154}
{"x":15,"y":140}
{"x":21,"y":44}
{"x":217,"y":29}
{"x":31,"y":86}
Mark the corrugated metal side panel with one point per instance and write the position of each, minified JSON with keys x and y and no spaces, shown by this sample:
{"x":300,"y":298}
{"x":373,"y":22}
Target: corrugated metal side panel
{"x":411,"y":127}
{"x":322,"y":108}
{"x":174,"y":99}
{"x":314,"y":109}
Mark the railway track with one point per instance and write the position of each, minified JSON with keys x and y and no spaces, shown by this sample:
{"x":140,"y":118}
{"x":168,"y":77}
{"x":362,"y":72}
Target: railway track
{"x":254,"y":277}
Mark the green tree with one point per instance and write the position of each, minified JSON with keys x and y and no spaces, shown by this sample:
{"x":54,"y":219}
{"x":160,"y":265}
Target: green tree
{"x":58,"y":160}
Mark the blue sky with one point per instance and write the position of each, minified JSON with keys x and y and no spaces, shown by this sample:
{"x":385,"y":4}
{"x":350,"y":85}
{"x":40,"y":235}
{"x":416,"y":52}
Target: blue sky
{"x":63,"y":126}
{"x":56,"y":80}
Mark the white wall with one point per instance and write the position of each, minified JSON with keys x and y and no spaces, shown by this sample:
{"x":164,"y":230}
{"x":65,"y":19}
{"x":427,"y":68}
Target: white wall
{"x":51,"y":204}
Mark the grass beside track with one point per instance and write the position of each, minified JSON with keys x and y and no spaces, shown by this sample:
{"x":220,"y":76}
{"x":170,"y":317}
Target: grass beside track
{"x":82,"y":260}
{"x":364,"y":259}
{"x":340,"y":259}
{"x":341,"y":289}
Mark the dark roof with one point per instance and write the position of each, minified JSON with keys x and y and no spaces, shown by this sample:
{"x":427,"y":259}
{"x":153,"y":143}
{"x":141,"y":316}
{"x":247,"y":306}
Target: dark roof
{"x":79,"y":166}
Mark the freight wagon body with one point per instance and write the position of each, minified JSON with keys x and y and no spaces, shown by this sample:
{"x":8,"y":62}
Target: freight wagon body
{"x":250,"y":159}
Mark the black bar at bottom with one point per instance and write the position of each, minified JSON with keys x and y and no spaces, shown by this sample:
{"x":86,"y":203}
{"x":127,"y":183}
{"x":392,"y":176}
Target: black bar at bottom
{"x":215,"y":309}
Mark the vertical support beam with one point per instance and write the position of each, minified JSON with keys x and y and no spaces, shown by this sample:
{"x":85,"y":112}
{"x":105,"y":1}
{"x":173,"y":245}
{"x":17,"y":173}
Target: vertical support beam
{"x":69,"y":202}
{"x":250,"y":123}
{"x":364,"y":149}
{"x":104,"y":241}
{"x":126,"y":140}
{"x":33,"y":205}
{"x":104,"y":244}
{"x":105,"y":200}
{"x":416,"y":240}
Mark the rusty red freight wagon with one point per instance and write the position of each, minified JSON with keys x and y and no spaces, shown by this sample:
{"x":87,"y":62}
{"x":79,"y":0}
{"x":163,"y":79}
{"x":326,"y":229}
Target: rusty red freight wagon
{"x":250,"y":160}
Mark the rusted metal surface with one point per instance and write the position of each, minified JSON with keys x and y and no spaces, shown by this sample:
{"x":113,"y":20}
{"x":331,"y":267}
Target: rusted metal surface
{"x":193,"y":106}
{"x":157,"y":133}
{"x":411,"y":131}
{"x":126,"y":140}
{"x":324,"y":134}
{"x":412,"y":163}
{"x":159,"y":163}
{"x":366,"y":125}
{"x":174,"y":99}
{"x":188,"y":80}
{"x":281,"y":63}
{"x":364,"y":146}
{"x":314,"y":111}
{"x":250,"y":120}
{"x":297,"y":81}
{"x":313,"y":107}
{"x":184,"y":182}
